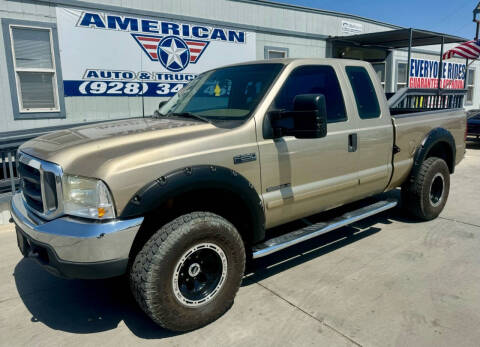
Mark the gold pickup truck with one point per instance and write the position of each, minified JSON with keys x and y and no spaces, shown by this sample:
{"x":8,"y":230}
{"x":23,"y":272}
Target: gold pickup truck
{"x":180,"y":200}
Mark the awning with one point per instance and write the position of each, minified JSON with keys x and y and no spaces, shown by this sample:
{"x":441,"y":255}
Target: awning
{"x":399,"y":38}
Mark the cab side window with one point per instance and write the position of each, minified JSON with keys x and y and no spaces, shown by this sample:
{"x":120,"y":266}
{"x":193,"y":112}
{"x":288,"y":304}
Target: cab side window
{"x":364,"y":91}
{"x":315,"y":79}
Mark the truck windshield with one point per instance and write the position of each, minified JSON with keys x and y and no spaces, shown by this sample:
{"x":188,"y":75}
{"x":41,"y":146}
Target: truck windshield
{"x":229,"y":93}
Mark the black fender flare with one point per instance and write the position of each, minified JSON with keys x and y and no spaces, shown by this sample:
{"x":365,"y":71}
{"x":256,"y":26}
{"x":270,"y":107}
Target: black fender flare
{"x":186,"y":180}
{"x":433,"y":137}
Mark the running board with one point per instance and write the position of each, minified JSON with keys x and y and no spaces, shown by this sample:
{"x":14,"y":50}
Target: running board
{"x":281,"y":242}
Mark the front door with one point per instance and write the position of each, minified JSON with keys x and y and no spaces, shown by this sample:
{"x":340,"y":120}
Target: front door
{"x":301,"y":177}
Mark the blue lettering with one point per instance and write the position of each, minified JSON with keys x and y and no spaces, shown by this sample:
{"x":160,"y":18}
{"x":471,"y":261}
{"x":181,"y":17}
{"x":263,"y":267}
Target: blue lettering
{"x":218,"y":33}
{"x":429,"y":68}
{"x":105,"y":74}
{"x":412,"y":67}
{"x":196,"y":32}
{"x":149,"y":26}
{"x":92,"y":74}
{"x":234,"y":36}
{"x":127,"y":75}
{"x":170,"y":29}
{"x":89,"y":19}
{"x":185,"y":30}
{"x":115,"y":22}
{"x":421,"y":68}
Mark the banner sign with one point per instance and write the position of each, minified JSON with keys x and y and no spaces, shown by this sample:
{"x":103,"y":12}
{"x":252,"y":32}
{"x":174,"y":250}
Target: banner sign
{"x":423,"y":73}
{"x":105,"y":54}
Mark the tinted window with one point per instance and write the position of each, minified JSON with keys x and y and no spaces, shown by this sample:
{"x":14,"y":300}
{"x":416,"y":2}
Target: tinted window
{"x":365,"y":96}
{"x":314,"y":80}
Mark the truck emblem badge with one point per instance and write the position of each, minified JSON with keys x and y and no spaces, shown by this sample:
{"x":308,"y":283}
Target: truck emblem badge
{"x":244,"y":158}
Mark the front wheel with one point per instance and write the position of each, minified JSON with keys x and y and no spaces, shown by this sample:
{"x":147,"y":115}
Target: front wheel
{"x":188,"y":273}
{"x":426,"y":196}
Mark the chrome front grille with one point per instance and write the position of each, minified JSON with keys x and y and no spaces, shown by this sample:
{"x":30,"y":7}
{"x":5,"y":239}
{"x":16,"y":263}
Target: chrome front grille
{"x":31,"y":186}
{"x":41,"y":185}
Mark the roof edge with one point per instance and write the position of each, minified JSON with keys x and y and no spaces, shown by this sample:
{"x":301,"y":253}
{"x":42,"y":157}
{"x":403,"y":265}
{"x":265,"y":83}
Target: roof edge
{"x":318,"y":11}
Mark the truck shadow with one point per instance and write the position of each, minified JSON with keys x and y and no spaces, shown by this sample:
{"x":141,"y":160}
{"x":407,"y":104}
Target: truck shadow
{"x":90,"y":306}
{"x":81,"y":306}
{"x":260,"y":269}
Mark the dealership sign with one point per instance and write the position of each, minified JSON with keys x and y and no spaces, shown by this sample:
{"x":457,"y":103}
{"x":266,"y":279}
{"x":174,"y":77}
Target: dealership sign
{"x":424,"y":73}
{"x":105,"y":54}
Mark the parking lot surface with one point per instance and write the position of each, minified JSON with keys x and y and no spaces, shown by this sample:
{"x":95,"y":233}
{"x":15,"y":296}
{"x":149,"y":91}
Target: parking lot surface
{"x":386,"y":281}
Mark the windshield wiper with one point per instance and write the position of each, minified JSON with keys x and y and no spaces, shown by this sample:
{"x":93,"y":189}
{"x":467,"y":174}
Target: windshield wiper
{"x":188,"y":115}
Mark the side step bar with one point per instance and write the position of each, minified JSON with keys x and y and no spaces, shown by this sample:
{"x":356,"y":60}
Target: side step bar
{"x":281,"y":242}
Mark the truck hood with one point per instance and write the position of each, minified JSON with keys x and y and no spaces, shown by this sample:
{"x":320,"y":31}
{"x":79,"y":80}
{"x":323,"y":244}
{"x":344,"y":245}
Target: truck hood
{"x":83,"y":149}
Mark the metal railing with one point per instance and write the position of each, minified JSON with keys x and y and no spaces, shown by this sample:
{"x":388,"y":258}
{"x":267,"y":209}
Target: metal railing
{"x":8,"y":173}
{"x":408,"y":100}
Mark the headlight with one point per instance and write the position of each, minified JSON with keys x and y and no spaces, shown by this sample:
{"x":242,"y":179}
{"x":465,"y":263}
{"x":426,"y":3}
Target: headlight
{"x":87,"y":197}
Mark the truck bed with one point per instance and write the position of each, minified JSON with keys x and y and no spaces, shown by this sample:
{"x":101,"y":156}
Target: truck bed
{"x":410,"y":130}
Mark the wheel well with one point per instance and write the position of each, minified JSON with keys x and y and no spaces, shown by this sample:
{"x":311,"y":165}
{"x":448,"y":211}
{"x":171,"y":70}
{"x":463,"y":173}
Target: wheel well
{"x":222,"y":202}
{"x":444,"y":151}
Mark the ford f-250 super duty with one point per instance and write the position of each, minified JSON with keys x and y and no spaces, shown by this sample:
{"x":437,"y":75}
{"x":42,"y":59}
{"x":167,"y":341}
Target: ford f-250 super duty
{"x":179,"y":201}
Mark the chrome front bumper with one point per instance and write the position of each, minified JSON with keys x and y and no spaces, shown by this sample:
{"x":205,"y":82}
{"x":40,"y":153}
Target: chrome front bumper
{"x":69,"y":244}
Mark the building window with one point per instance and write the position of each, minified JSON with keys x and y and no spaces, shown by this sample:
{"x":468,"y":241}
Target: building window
{"x":275,"y":52}
{"x":34,"y":71}
{"x":470,"y":85}
{"x":401,"y":76}
{"x":380,"y":71}
{"x":34,"y":66}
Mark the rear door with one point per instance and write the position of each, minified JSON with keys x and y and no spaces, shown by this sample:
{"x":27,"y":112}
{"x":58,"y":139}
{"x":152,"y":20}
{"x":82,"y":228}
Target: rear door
{"x":303,"y":176}
{"x":374,"y":136}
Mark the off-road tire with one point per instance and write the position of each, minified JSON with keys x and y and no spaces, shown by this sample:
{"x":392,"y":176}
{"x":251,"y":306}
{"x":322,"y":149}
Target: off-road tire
{"x":154,"y":267}
{"x":416,"y":193}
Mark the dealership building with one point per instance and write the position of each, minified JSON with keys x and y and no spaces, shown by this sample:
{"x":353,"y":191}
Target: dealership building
{"x":66,"y":62}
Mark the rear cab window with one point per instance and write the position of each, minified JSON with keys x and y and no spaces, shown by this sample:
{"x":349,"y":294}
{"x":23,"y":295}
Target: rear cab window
{"x":364,"y":92}
{"x":313,"y":79}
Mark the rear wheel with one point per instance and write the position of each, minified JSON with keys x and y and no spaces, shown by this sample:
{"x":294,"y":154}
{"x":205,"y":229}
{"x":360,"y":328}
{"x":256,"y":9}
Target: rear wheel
{"x":189,"y":272}
{"x":426,"y":196}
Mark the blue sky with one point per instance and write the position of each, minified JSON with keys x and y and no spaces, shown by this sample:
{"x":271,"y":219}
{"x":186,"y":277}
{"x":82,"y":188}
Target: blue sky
{"x":446,"y":16}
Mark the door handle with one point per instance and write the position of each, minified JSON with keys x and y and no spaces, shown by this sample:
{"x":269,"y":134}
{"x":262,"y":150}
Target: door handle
{"x":352,"y":142}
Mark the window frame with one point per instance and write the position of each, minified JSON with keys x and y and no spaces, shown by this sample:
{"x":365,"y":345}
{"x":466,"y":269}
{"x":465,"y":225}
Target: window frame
{"x":268,"y":49}
{"x":397,"y":63}
{"x":384,"y":63}
{"x":19,"y":112}
{"x":467,"y":86}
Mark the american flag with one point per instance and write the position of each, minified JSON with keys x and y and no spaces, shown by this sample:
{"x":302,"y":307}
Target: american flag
{"x":469,"y":49}
{"x":149,"y":43}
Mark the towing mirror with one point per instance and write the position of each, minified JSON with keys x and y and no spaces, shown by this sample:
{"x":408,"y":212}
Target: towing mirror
{"x":308,"y":120}
{"x":157,"y":113}
{"x":161,"y":104}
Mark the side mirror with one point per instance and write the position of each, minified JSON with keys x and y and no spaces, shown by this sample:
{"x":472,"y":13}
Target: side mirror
{"x":162,"y":103}
{"x":308,"y":120}
{"x":156,"y":113}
